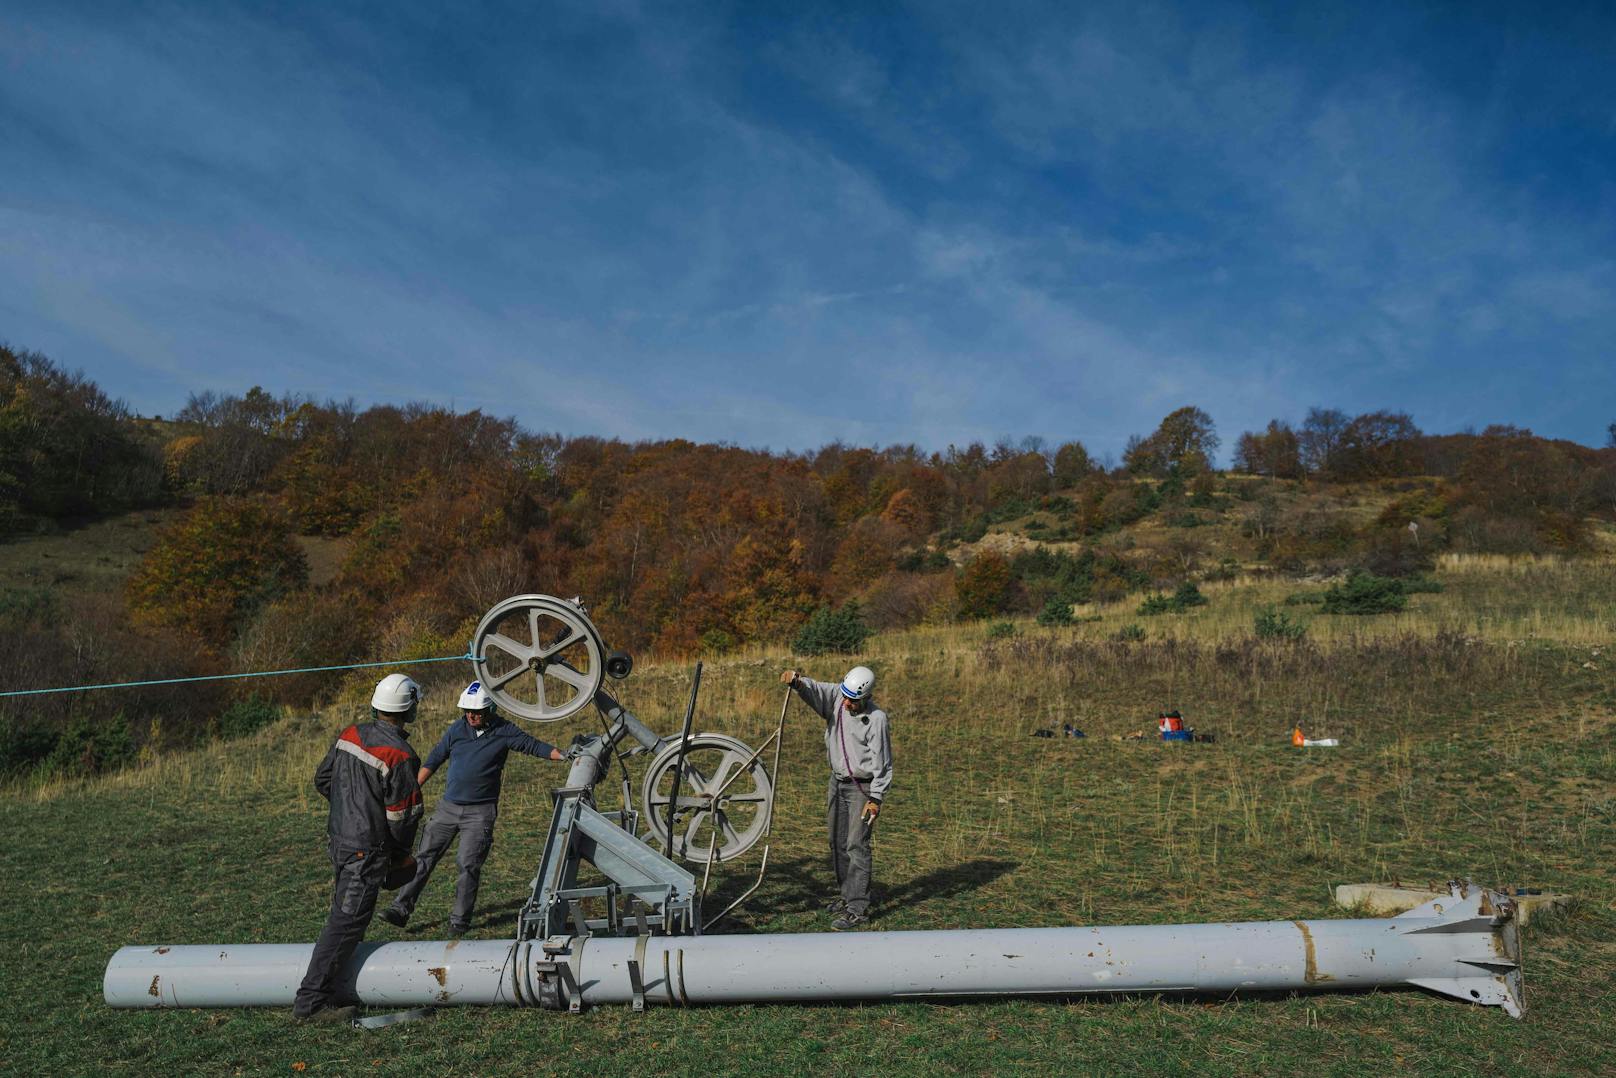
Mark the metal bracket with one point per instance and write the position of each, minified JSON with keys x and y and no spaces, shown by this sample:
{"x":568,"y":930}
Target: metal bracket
{"x":575,"y":992}
{"x":636,"y":978}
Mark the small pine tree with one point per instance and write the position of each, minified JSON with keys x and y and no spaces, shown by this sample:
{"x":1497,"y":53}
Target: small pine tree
{"x":1056,"y":612}
{"x":1274,"y":624}
{"x":1188,"y":595}
{"x":1365,"y":593}
{"x":841,"y":631}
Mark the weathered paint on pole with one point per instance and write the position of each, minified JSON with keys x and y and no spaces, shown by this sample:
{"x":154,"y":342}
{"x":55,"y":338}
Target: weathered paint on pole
{"x":267,"y":974}
{"x":1463,"y":945}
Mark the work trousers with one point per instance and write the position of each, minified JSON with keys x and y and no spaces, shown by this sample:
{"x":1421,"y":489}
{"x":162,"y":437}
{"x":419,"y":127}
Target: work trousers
{"x":850,"y":844}
{"x":474,"y":824}
{"x":359,"y":875}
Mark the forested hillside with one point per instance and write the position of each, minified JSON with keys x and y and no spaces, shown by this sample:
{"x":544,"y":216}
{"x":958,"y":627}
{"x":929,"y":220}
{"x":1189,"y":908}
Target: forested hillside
{"x":306,"y":533}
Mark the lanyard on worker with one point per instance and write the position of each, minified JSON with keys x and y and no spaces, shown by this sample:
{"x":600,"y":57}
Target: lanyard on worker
{"x":841,"y":734}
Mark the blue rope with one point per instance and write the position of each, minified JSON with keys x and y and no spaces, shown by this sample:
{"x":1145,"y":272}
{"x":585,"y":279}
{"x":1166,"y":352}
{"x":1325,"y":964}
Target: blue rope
{"x":226,"y":677}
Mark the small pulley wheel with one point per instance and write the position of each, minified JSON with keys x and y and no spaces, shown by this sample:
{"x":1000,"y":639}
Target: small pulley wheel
{"x":619,"y":665}
{"x":726,"y":793}
{"x":539,"y":657}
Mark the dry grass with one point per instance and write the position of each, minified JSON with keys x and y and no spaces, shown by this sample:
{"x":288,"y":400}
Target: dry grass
{"x":1464,"y":753}
{"x":1424,"y":664}
{"x":93,"y":558}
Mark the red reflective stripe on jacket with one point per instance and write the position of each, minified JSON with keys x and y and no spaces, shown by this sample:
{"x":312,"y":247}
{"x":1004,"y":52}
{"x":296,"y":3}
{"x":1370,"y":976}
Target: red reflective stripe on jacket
{"x":413,"y":799}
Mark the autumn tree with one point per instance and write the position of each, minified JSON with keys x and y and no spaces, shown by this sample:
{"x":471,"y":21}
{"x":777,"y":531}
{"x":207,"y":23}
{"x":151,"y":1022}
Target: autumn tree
{"x":1512,"y":475}
{"x":1275,"y":452}
{"x":66,"y":449}
{"x":1378,"y":444}
{"x":1072,"y":464}
{"x":227,"y":557}
{"x":985,"y":586}
{"x":905,"y":512}
{"x":1182,"y":445}
{"x":242,"y":439}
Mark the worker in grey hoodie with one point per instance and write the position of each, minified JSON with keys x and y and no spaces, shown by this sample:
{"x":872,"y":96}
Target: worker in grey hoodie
{"x":859,"y":747}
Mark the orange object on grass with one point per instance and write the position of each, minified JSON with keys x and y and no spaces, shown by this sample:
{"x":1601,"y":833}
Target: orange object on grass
{"x":1297,"y":738}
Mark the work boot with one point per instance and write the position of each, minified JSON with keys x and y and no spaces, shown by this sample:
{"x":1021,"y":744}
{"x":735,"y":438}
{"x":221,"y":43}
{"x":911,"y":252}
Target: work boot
{"x":328,"y":1015}
{"x":457,"y":931}
{"x":848,"y":920}
{"x":396,"y":918}
{"x":836,"y":905}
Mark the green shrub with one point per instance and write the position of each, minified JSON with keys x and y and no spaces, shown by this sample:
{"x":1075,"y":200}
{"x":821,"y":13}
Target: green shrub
{"x":1056,"y":612}
{"x":1272,"y":624}
{"x":20,"y":606}
{"x":1001,"y":630}
{"x":717,"y":641}
{"x":1186,"y":596}
{"x":89,"y":747}
{"x":833,"y":631}
{"x":246,"y":716}
{"x":24,"y":744}
{"x":1130,"y":634}
{"x":1365,"y":593}
{"x":1157,"y":604}
{"x":924,"y":561}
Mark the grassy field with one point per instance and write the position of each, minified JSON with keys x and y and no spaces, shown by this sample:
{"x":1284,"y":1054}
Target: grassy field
{"x":97,"y":556}
{"x":1477,"y":733}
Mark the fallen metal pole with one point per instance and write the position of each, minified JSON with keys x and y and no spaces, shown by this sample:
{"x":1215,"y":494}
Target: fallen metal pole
{"x":1464,"y":945}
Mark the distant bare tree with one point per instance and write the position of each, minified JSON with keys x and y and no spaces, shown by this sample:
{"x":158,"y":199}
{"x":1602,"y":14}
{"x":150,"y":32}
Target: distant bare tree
{"x":490,"y":576}
{"x":1320,"y":438}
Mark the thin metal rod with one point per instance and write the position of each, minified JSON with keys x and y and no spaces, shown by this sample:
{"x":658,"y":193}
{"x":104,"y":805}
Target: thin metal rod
{"x":774,"y":791}
{"x":712,"y":851}
{"x":739,"y":771}
{"x":684,"y":747}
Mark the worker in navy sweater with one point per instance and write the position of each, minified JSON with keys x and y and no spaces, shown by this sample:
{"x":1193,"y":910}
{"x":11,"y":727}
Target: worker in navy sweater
{"x":475,"y":746}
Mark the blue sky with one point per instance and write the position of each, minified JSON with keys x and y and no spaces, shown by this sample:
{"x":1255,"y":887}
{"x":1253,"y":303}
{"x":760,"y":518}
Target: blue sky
{"x":781,"y":225}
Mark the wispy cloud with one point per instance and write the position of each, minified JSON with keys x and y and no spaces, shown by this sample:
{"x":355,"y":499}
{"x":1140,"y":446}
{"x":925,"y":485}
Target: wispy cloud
{"x":654,"y":223}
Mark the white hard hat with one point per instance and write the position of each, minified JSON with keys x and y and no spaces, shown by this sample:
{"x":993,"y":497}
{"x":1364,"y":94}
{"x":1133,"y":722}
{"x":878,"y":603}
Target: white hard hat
{"x":475,"y":698}
{"x":395,"y":694}
{"x":858,"y":683}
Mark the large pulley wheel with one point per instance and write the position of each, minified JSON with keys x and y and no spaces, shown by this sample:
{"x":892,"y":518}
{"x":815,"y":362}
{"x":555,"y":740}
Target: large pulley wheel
{"x":723,"y":804}
{"x":539,"y":657}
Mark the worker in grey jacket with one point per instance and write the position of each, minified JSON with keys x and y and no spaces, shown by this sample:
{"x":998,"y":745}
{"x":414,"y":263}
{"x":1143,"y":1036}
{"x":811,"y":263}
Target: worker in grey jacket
{"x":475,"y":747}
{"x":859,"y":748}
{"x":369,"y":777}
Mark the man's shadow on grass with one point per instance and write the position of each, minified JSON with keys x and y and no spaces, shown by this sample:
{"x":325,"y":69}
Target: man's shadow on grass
{"x":805,"y":884}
